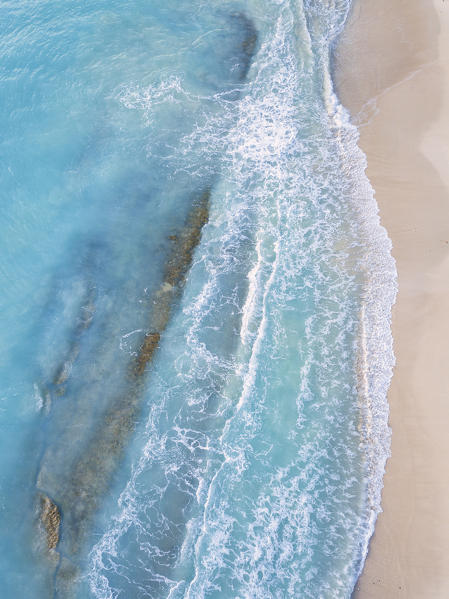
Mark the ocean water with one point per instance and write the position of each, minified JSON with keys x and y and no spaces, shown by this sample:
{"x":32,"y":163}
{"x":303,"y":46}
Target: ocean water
{"x":195,"y":300}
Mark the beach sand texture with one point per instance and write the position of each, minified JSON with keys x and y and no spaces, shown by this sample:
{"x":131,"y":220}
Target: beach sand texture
{"x":392,"y":70}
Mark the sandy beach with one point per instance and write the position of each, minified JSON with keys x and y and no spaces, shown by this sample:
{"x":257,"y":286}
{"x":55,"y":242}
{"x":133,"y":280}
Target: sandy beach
{"x":392,"y":71}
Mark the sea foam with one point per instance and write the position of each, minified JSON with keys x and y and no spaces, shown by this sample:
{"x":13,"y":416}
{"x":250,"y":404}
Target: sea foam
{"x":258,"y":473}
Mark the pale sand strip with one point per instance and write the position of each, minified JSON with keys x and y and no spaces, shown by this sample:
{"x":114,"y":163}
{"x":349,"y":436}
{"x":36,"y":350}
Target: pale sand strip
{"x":397,"y":51}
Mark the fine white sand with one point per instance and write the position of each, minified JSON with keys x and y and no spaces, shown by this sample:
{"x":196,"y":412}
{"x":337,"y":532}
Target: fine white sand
{"x":392,"y":72}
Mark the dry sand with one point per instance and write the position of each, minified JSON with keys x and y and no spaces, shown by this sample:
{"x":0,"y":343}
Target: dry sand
{"x":392,"y":71}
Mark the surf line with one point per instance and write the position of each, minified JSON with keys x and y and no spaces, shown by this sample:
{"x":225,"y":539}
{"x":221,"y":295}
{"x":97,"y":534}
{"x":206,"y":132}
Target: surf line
{"x":64,"y":515}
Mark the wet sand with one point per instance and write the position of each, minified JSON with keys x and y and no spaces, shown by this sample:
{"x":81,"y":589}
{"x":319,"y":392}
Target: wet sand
{"x":392,"y":73}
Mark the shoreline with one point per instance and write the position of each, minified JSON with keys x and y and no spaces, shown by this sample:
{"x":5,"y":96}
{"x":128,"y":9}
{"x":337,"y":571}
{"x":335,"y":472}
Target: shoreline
{"x":390,"y":74}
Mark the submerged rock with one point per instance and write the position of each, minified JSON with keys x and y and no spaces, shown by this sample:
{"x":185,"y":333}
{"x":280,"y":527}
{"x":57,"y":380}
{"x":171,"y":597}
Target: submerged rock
{"x":78,"y":491}
{"x":51,"y":519}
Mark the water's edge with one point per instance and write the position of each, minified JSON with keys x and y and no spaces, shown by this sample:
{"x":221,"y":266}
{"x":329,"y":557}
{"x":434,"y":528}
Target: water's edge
{"x":376,"y":357}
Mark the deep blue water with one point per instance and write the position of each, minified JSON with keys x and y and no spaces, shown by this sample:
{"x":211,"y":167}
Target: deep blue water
{"x":195,"y":299}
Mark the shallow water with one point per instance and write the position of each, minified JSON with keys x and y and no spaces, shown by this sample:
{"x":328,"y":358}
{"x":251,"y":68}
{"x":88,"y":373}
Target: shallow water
{"x":195,"y":309}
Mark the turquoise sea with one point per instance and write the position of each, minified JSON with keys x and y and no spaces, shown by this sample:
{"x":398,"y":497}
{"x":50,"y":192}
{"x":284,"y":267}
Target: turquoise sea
{"x":195,"y":300}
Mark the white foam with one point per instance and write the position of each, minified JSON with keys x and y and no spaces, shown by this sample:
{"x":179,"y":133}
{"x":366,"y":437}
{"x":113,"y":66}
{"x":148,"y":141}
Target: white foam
{"x":376,"y":358}
{"x":281,"y":193}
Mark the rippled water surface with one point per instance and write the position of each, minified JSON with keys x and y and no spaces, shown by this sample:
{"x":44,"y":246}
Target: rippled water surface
{"x":195,"y":298}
